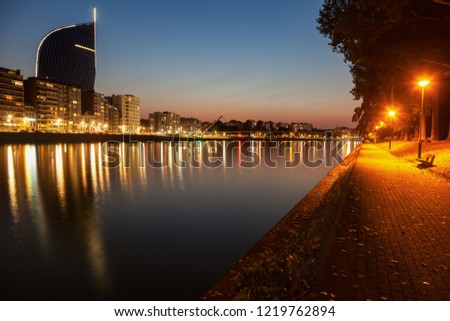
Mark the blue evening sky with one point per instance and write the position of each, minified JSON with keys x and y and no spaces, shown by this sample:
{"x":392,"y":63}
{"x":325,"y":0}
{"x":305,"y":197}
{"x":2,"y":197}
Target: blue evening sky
{"x":244,"y":59}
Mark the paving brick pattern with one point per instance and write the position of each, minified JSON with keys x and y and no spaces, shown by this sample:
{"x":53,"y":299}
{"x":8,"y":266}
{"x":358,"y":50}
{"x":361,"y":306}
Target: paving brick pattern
{"x":393,"y":238}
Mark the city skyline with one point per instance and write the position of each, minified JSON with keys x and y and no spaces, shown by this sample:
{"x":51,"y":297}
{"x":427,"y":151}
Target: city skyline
{"x":269,"y":63}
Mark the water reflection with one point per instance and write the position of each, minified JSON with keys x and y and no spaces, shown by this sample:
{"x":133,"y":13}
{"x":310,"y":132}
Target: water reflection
{"x":50,"y":202}
{"x":143,"y":221}
{"x":33,"y":195}
{"x":12,"y":189}
{"x":215,"y":154}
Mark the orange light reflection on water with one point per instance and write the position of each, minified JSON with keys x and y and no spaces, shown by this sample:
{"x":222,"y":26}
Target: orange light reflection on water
{"x":60,"y":180}
{"x":12,"y":189}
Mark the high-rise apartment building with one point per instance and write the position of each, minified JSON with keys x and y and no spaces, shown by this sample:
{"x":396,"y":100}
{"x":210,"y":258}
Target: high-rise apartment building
{"x":43,"y":96}
{"x":57,"y":107}
{"x":129,"y":108}
{"x":67,"y":55}
{"x":164,"y":122}
{"x":114,"y":120}
{"x":11,"y":99}
{"x":189,"y":125}
{"x":69,"y":108}
{"x":98,"y":106}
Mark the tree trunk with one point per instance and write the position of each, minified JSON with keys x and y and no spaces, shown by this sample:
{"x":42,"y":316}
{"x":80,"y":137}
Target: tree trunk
{"x":448,"y":136}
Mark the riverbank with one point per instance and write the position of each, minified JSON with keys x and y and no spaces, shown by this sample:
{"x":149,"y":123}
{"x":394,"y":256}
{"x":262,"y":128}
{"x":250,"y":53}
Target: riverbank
{"x":283,"y":265}
{"x":56,"y":138}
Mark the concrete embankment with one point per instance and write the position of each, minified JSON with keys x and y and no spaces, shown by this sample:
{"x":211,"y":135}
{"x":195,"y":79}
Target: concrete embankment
{"x":284,"y":264}
{"x":57,"y":138}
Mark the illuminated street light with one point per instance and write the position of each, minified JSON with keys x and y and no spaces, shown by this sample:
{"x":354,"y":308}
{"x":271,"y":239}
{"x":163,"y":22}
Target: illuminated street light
{"x":9,"y":119}
{"x":391,"y":115}
{"x":58,"y":124}
{"x":422,"y":126}
{"x":423,"y":83}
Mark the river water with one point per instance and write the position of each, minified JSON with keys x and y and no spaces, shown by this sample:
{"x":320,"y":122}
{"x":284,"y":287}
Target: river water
{"x":153,"y":221}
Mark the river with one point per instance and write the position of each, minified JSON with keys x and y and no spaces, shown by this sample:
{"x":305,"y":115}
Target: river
{"x":153,"y":221}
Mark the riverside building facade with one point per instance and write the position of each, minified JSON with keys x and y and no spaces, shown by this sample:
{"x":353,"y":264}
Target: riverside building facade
{"x":129,"y":108}
{"x":97,"y":106}
{"x":11,"y":100}
{"x":189,"y":125}
{"x":57,"y":106}
{"x":164,"y":122}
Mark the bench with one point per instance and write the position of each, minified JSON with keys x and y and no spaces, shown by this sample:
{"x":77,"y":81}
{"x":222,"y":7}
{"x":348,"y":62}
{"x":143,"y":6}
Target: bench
{"x":428,"y":162}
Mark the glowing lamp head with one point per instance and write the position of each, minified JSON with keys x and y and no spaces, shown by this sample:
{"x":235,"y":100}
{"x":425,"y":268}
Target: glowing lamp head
{"x":391,"y":113}
{"x":423,"y":83}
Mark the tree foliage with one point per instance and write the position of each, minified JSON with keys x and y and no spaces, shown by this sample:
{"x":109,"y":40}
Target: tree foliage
{"x":387,"y":45}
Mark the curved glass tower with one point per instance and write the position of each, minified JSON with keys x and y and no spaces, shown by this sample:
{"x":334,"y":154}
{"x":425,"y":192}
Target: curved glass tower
{"x":67,"y":56}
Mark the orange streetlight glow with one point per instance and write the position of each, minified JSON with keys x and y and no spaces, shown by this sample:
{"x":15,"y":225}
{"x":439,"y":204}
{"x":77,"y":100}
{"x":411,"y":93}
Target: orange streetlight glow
{"x":391,"y":113}
{"x":423,"y":83}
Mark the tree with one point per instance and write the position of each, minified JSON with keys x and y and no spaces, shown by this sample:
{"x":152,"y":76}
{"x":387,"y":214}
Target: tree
{"x":259,"y":125}
{"x":387,"y":45}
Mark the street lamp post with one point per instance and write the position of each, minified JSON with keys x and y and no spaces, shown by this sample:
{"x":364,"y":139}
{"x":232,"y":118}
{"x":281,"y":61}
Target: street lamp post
{"x":422,"y":126}
{"x":391,"y":114}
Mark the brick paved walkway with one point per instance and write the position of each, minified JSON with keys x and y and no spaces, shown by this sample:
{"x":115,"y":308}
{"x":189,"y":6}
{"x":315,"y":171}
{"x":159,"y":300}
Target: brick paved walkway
{"x":393,"y":239}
